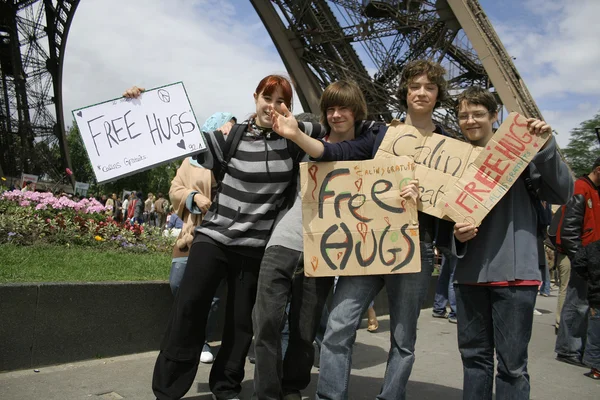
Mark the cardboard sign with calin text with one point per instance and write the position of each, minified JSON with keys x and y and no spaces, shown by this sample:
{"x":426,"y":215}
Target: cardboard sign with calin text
{"x":457,"y":180}
{"x":354,"y":220}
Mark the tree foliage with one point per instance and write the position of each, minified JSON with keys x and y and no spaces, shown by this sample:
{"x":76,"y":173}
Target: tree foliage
{"x":583,"y":148}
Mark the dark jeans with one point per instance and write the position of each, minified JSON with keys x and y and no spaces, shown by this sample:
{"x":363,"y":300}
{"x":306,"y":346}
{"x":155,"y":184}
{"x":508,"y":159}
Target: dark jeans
{"x":444,"y":290}
{"x":175,"y":276}
{"x":571,"y":337}
{"x":177,"y":364}
{"x":494,"y":318}
{"x":282,"y":276}
{"x":591,"y":357}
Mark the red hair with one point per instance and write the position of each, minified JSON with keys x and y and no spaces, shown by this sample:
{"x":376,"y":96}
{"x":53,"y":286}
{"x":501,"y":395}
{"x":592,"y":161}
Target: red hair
{"x":271,"y":82}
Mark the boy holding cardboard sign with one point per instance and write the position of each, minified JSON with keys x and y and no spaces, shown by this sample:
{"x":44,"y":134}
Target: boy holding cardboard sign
{"x":497,"y":275}
{"x":422,"y":88}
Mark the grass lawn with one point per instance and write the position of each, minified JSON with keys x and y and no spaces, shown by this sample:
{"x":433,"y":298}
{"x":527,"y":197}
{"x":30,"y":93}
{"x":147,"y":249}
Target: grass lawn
{"x":77,"y":264}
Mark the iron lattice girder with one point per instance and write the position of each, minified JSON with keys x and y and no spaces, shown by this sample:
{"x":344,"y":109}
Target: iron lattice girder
{"x":33,"y":83}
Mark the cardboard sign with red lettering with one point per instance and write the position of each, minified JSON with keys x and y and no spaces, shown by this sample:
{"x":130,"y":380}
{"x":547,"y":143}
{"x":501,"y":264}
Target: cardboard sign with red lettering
{"x":494,"y":171}
{"x":354,"y":220}
{"x":457,"y":180}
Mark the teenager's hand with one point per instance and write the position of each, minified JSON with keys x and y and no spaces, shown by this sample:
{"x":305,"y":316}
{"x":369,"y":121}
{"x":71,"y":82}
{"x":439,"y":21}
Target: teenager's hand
{"x":202,"y":202}
{"x":285,"y":124}
{"x":226,"y":128}
{"x":410,"y":191}
{"x":464,"y":231}
{"x":538,"y":127}
{"x":133,"y":92}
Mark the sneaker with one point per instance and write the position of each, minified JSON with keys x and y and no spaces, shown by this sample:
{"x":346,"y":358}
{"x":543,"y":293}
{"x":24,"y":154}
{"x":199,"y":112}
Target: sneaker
{"x":594,"y":374}
{"x":536,"y":312}
{"x":217,"y":398}
{"x":206,"y":357}
{"x":293,"y":396}
{"x":436,"y":314}
{"x":452,"y":319}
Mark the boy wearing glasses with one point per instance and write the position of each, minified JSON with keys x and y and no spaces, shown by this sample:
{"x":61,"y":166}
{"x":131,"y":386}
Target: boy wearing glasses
{"x":497,"y":275}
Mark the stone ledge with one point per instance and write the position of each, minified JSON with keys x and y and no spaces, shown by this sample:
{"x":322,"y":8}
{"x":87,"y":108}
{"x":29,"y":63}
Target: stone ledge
{"x":54,"y":323}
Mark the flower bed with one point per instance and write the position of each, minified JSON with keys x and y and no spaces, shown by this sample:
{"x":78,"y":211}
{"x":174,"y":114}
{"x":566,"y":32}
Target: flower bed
{"x":33,"y":217}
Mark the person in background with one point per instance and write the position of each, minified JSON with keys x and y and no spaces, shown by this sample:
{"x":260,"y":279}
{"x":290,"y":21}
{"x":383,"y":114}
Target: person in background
{"x":138,"y":211}
{"x":497,"y":275}
{"x":580,"y":227}
{"x":161,"y":206}
{"x":587,"y":265}
{"x":124,"y":208}
{"x":444,"y":291}
{"x":149,"y":210}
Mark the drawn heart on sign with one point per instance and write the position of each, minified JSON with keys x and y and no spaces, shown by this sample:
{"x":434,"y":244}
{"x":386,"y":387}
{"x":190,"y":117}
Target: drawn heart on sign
{"x":363,"y":229}
{"x":358,"y":183}
{"x":387,"y":219}
{"x":181,"y":144}
{"x":314,"y":261}
{"x":79,"y":114}
{"x":340,"y":254}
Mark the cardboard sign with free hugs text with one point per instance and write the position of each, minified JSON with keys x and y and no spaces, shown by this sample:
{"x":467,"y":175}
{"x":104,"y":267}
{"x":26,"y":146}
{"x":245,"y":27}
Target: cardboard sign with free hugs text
{"x":124,"y":136}
{"x":354,"y":220}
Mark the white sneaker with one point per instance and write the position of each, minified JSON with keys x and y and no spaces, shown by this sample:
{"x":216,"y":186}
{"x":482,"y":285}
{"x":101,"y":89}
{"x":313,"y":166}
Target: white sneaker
{"x":536,"y":312}
{"x":206,"y":357}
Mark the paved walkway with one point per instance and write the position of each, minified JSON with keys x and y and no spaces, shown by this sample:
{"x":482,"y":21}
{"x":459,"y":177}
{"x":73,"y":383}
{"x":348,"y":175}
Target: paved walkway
{"x":437,"y":373}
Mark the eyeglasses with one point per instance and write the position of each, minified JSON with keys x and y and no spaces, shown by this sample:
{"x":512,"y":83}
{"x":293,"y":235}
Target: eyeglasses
{"x":479,"y":115}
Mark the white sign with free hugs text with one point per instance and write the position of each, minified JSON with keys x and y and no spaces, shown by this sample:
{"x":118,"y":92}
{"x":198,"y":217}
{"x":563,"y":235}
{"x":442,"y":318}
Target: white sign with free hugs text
{"x":124,"y":136}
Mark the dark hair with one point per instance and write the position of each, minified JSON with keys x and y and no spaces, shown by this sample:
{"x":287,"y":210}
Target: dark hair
{"x":160,"y":195}
{"x":478,"y":96}
{"x":596,"y":164}
{"x":435,"y":73}
{"x":346,"y":94}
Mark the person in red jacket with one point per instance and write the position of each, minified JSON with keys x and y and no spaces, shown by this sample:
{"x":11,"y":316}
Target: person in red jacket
{"x":580,"y":227}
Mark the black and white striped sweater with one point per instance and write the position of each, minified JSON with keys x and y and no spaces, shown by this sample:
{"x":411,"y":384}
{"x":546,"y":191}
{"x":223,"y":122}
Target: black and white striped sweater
{"x":252,"y":190}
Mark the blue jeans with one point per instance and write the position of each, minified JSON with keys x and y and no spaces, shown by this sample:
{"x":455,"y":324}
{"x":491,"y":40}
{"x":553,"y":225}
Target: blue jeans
{"x":495,"y":318}
{"x":353,"y":294}
{"x":591,"y":357}
{"x":571,"y":337}
{"x":545,"y":288}
{"x":444,"y":291}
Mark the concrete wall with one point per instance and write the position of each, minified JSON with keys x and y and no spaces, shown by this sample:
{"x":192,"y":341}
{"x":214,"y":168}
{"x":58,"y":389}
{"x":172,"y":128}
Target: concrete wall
{"x":53,"y":323}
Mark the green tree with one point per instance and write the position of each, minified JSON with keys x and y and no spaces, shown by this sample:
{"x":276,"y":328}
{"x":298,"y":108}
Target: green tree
{"x":583,"y":146}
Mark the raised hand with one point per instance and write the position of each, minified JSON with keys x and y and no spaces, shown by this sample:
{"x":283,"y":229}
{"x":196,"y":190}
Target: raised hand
{"x":538,"y":127}
{"x":284,"y":123}
{"x":226,"y":128}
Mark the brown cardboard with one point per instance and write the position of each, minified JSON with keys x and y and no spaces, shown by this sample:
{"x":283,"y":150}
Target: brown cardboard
{"x":352,"y":214}
{"x":457,"y":180}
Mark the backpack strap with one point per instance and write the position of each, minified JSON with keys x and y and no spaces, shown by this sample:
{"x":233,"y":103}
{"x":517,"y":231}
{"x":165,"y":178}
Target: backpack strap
{"x":228,"y":146}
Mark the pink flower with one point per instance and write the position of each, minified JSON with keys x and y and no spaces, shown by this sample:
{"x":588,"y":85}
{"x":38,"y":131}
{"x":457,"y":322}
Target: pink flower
{"x":69,"y":172}
{"x":24,"y":203}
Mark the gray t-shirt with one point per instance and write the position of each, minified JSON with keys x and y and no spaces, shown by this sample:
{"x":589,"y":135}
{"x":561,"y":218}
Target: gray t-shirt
{"x":288,"y":225}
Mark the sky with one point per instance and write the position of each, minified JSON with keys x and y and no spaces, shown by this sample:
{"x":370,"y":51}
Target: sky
{"x":220,"y":50}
